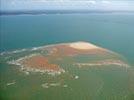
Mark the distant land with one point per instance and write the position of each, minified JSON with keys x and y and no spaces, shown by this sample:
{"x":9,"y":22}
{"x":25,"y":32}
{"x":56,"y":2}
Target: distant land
{"x":36,"y":12}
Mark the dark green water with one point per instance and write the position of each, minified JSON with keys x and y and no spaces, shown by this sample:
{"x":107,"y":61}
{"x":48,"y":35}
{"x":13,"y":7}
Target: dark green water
{"x":112,"y":31}
{"x":105,"y":82}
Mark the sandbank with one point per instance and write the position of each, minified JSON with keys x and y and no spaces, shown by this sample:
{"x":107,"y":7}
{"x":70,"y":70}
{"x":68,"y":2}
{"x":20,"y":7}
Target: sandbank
{"x":82,"y":46}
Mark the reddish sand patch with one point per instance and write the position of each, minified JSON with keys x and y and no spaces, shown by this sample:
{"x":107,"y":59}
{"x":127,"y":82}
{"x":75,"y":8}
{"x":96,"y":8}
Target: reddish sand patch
{"x":40,"y":62}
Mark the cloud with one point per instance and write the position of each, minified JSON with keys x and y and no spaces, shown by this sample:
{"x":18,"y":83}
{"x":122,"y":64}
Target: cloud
{"x":67,"y":4}
{"x":106,"y":2}
{"x":92,"y":2}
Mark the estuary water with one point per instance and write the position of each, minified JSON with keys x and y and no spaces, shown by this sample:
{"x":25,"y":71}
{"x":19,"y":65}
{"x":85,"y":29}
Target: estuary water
{"x":112,"y":31}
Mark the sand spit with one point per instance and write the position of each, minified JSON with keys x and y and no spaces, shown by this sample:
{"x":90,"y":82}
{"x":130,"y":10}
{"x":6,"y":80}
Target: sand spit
{"x":103,"y":63}
{"x":11,"y":83}
{"x":27,"y":70}
{"x":12,"y":52}
{"x":48,"y":85}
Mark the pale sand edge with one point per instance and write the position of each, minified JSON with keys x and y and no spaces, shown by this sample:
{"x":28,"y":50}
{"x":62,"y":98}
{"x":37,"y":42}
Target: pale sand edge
{"x":83,"y":46}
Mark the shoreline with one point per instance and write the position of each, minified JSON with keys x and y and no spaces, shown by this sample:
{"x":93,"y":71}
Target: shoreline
{"x":39,"y":47}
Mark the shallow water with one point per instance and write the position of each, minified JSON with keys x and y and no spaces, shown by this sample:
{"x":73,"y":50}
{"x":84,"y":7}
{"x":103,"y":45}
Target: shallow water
{"x":104,"y":82}
{"x":112,"y":31}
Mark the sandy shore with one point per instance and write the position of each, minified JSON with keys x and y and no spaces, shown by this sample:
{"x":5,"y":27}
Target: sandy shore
{"x":82,"y":46}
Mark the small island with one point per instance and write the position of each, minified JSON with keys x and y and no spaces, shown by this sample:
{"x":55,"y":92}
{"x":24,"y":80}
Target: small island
{"x":51,"y":58}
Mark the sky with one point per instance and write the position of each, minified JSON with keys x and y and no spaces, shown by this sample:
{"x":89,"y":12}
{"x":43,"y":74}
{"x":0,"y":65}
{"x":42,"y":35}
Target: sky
{"x":13,"y":5}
